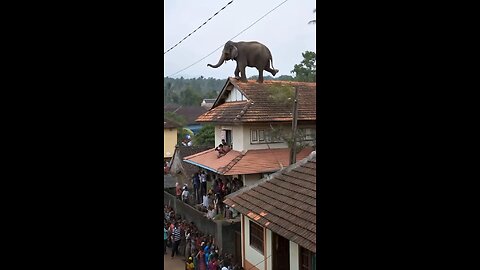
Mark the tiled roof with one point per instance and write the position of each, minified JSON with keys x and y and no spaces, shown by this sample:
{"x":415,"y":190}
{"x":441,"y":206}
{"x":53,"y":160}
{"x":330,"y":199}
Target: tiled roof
{"x":285,"y":204}
{"x":250,"y":162}
{"x":190,"y":113}
{"x":210,"y":159}
{"x":169,"y":124}
{"x":259,"y":107}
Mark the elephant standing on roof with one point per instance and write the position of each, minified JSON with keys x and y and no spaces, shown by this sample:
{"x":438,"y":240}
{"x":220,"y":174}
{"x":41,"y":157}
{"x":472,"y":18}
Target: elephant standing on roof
{"x":247,"y":54}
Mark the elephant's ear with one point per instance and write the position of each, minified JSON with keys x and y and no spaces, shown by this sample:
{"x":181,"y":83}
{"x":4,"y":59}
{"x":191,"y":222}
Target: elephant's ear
{"x":234,"y":52}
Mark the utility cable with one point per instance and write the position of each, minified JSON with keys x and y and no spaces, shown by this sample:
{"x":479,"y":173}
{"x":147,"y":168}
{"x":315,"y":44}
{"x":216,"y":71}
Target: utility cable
{"x":198,"y":27}
{"x":229,"y":39}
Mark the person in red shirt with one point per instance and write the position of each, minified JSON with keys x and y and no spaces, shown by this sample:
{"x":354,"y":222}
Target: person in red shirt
{"x":178,"y":191}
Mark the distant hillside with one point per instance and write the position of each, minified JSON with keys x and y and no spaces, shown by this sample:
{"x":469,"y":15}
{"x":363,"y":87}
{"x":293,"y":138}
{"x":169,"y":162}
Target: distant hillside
{"x":190,"y":91}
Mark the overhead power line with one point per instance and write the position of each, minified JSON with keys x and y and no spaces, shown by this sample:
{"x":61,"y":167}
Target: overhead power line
{"x":229,"y":39}
{"x":198,"y":27}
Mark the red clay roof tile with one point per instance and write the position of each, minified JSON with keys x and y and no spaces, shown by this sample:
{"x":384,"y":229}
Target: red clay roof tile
{"x":259,"y":107}
{"x":286,"y":204}
{"x":251,"y":162}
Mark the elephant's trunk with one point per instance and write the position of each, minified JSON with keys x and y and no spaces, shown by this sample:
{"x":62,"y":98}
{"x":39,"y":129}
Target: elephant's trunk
{"x":220,"y":62}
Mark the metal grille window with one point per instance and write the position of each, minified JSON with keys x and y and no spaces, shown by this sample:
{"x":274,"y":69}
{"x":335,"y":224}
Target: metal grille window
{"x":256,"y":236}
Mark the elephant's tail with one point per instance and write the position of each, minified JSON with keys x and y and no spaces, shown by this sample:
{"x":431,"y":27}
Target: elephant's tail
{"x":271,"y":60}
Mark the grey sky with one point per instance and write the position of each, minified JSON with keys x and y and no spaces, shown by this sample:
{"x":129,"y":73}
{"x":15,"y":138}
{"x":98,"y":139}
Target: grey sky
{"x":285,"y":31}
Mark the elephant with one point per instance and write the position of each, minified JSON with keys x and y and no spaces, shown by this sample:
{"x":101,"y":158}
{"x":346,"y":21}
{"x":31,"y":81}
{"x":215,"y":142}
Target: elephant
{"x":247,"y":54}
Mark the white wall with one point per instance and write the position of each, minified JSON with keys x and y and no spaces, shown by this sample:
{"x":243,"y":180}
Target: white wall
{"x":241,"y":137}
{"x":237,"y":138}
{"x":218,"y":139}
{"x":294,"y":256}
{"x":235,"y":95}
{"x":254,"y":257}
{"x":248,"y":145}
{"x":269,"y":250}
{"x":251,"y":254}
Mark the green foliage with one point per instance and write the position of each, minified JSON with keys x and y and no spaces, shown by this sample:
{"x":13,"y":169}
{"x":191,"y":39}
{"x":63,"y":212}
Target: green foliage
{"x":306,"y":71}
{"x":281,"y":94}
{"x":285,"y":78}
{"x":181,"y":134}
{"x":205,"y":136}
{"x":190,"y":97}
{"x":190,"y":91}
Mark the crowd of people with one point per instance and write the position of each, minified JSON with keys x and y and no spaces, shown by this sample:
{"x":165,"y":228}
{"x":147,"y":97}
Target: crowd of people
{"x":200,"y":251}
{"x":210,"y":201}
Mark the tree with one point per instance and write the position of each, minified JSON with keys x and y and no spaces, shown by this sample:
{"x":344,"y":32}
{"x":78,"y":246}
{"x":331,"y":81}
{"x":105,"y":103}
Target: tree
{"x":313,"y":21}
{"x":306,"y":71}
{"x":205,"y":136}
{"x":190,"y":97}
{"x":281,"y":95}
{"x":175,"y":118}
{"x":285,"y":78}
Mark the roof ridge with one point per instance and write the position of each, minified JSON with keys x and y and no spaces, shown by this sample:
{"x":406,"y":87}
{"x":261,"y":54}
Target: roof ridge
{"x":232,"y":163}
{"x":244,"y":110}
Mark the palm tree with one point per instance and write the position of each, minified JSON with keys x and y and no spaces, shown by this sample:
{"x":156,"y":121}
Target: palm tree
{"x":313,"y":21}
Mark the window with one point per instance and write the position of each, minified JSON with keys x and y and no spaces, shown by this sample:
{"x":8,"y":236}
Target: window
{"x":254,"y":136}
{"x":307,"y":259}
{"x":308,"y":134}
{"x":256,"y":236}
{"x":260,"y":136}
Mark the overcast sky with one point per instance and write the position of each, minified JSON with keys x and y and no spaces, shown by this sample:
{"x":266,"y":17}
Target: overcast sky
{"x":285,"y":31}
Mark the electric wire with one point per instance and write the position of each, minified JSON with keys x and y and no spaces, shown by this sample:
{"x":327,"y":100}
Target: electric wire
{"x":198,"y":27}
{"x":229,"y":39}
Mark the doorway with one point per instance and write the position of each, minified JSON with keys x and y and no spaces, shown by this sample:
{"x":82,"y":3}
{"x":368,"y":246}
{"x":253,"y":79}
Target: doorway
{"x":280,"y":252}
{"x":228,"y":137}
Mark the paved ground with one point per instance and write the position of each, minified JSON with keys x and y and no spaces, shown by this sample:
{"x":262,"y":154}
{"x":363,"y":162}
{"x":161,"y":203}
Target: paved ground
{"x":176,"y":264}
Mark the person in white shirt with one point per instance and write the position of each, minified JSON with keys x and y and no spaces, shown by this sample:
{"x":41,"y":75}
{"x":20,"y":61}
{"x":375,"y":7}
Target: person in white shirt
{"x":185,"y":194}
{"x":211,"y":213}
{"x":205,"y":201}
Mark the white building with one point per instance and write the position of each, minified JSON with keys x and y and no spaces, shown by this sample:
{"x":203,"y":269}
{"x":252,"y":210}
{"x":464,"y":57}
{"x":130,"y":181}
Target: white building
{"x":278,"y":219}
{"x":252,"y":123}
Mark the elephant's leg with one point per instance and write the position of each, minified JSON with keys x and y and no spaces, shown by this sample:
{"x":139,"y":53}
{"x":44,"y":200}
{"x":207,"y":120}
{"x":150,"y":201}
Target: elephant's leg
{"x":260,"y":76}
{"x":242,"y":67}
{"x":237,"y":73}
{"x":272,"y":71}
